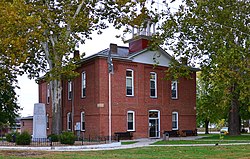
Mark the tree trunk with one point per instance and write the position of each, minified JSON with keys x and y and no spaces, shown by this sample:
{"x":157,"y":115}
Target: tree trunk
{"x":206,"y":126}
{"x":56,"y":92}
{"x":233,"y":121}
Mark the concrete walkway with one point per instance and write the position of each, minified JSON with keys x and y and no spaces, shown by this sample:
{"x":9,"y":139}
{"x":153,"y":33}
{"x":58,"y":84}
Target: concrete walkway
{"x":114,"y":146}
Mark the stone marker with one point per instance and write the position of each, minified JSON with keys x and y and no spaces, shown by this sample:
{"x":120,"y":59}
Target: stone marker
{"x":39,"y":121}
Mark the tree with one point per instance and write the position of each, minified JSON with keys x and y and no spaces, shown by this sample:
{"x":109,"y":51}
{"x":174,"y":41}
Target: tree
{"x":215,"y":35}
{"x":207,"y":103}
{"x":8,"y":99}
{"x":18,"y":28}
{"x":15,"y":26}
{"x":42,"y":35}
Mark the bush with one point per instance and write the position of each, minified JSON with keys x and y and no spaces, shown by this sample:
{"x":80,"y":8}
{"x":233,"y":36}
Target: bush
{"x":11,"y":137}
{"x":23,"y":139}
{"x":53,"y":138}
{"x":67,"y":138}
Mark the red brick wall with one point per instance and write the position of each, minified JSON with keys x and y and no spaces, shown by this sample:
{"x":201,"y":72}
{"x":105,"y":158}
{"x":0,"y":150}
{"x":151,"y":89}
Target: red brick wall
{"x":43,"y":99}
{"x":27,"y":125}
{"x":96,"y":119}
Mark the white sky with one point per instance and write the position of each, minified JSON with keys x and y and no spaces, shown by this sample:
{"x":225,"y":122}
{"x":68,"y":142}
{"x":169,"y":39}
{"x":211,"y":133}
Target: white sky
{"x":28,"y":92}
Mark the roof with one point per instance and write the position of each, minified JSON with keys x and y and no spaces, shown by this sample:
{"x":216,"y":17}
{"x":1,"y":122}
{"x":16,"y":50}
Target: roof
{"x":123,"y":54}
{"x":27,"y":118}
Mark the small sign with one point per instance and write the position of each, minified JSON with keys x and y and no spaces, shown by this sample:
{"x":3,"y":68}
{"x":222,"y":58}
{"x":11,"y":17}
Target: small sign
{"x":100,"y":105}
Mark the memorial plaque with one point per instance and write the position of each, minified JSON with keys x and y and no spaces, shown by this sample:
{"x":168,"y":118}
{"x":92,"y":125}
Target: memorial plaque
{"x":39,"y":121}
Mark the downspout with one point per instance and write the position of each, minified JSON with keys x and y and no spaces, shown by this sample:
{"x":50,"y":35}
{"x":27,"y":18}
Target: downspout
{"x":110,"y":72}
{"x":110,"y":128}
{"x":72,"y":107}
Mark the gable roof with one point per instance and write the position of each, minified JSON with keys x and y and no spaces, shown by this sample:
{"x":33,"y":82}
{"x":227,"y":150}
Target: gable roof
{"x":145,"y":56}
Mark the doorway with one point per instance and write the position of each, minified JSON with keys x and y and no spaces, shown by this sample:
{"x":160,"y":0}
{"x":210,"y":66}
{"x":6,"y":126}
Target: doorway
{"x":154,"y":123}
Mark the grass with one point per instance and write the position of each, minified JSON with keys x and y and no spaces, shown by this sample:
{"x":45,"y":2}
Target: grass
{"x":210,"y":139}
{"x":199,"y":152}
{"x":128,"y":142}
{"x":177,"y":142}
{"x":215,"y":152}
{"x":226,"y":137}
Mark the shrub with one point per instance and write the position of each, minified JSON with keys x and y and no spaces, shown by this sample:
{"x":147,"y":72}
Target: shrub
{"x":53,"y":137}
{"x":23,"y":139}
{"x":67,"y":138}
{"x":11,"y":137}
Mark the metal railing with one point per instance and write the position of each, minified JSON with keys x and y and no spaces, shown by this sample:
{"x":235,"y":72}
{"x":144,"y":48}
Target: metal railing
{"x":43,"y":142}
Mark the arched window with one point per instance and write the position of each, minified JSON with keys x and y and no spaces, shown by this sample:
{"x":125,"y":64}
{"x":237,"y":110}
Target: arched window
{"x":47,"y":120}
{"x":153,"y":85}
{"x":131,"y":120}
{"x":70,"y":90}
{"x":174,"y":90}
{"x":83,"y":93}
{"x":82,"y":121}
{"x":129,"y":82}
{"x":174,"y":120}
{"x":69,"y":121}
{"x":48,"y":93}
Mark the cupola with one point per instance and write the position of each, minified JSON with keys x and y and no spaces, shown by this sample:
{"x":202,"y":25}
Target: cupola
{"x":141,"y":36}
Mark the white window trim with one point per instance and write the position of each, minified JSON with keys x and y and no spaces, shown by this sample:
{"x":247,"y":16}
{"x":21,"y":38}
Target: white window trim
{"x":176,"y":83}
{"x":83,"y":86}
{"x":69,"y":120}
{"x":133,"y":112}
{"x":48,"y":93}
{"x":132,"y":82}
{"x":155,"y":80}
{"x":82,"y":121}
{"x":177,"y":121}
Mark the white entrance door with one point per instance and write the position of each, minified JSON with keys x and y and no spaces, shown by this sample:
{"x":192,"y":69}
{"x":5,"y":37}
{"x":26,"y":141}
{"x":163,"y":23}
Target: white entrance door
{"x":154,"y":123}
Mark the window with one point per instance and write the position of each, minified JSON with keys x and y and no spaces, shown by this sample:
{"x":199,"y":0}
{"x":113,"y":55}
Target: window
{"x":69,"y":90}
{"x":83,"y":84}
{"x":47,"y":120}
{"x":48,"y":93}
{"x":129,"y":83}
{"x":174,"y":92}
{"x":82,"y":121}
{"x":175,"y":121}
{"x":131,"y":120}
{"x":153,"y":85}
{"x":69,"y":124}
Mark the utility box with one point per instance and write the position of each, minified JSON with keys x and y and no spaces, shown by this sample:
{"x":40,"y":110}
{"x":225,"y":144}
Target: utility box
{"x":165,"y":136}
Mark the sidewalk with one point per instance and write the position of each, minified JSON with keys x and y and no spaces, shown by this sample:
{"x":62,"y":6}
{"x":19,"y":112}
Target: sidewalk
{"x":116,"y":145}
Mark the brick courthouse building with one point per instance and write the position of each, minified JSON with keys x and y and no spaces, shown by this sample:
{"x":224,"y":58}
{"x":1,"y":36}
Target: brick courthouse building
{"x":142,"y":101}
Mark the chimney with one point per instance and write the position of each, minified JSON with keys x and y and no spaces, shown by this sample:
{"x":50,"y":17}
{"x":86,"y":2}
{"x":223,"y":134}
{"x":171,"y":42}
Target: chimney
{"x":113,"y":48}
{"x":184,"y":60}
{"x":76,"y":54}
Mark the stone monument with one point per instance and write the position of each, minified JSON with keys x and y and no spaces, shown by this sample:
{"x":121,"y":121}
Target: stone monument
{"x":39,"y":121}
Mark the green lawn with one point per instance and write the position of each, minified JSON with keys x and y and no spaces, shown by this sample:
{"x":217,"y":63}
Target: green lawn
{"x":128,"y":142}
{"x":226,"y":137}
{"x":197,"y":142}
{"x":209,"y":139}
{"x":213,"y":152}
